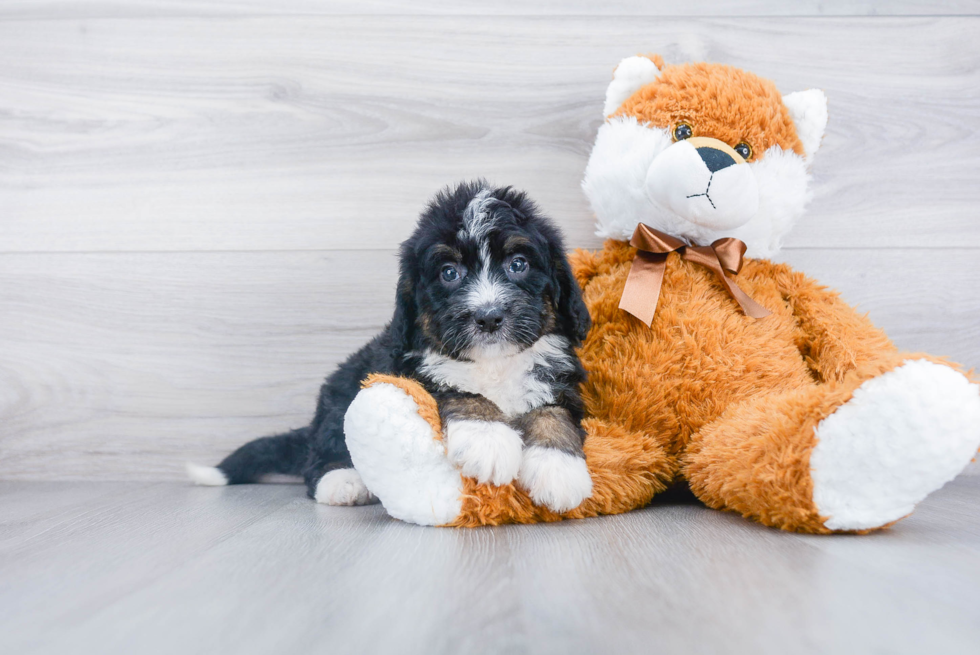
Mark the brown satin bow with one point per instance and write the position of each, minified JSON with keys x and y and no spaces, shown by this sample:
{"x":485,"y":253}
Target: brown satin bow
{"x":642,"y":289}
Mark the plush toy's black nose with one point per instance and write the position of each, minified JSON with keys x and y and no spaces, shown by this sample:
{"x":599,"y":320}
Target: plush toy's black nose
{"x":715,"y":159}
{"x":489,"y":320}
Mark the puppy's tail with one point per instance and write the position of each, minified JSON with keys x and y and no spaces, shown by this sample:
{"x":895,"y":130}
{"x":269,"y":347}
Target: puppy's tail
{"x":283,"y":453}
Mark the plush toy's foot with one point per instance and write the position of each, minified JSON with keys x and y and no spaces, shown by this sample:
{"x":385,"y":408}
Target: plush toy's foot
{"x":900,"y":437}
{"x":400,"y":458}
{"x":851,"y":456}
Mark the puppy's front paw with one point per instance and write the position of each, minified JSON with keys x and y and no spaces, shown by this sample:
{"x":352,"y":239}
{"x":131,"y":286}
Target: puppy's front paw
{"x":486,"y":450}
{"x":554,"y":478}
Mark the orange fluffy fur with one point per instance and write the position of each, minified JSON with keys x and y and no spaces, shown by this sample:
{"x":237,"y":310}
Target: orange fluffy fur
{"x":719,"y":101}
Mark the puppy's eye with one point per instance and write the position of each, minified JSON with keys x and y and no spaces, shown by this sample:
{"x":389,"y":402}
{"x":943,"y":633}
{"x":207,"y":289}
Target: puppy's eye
{"x":450,"y":273}
{"x":683,"y":131}
{"x":518,"y":266}
{"x":744,"y":149}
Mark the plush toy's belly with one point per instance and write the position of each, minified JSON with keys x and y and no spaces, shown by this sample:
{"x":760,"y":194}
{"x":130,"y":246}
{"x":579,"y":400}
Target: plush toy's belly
{"x":700,"y":356}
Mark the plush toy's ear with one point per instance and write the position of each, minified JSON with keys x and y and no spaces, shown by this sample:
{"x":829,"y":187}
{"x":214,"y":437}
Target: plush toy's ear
{"x":809,"y":112}
{"x":631,"y":74}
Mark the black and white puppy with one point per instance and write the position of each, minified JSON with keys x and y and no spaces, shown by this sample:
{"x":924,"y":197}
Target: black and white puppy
{"x":487,"y":318}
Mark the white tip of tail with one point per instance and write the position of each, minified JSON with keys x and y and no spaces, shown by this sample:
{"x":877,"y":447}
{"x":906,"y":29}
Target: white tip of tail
{"x":209,"y":476}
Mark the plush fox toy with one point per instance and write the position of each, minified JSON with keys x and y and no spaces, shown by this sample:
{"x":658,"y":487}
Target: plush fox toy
{"x":707,"y":363}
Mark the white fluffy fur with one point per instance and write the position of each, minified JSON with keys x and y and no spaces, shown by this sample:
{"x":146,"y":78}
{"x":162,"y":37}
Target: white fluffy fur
{"x":555,"y":479}
{"x":784,"y":193}
{"x":617,"y":185}
{"x":489,"y":290}
{"x":809,"y":112}
{"x":476,"y":218}
{"x":616,"y":175}
{"x":486,"y":450}
{"x":342,"y":487}
{"x":900,"y":437}
{"x":632,"y":74}
{"x":399,"y":458}
{"x":208,"y":476}
{"x":680,"y":181}
{"x":502,"y":376}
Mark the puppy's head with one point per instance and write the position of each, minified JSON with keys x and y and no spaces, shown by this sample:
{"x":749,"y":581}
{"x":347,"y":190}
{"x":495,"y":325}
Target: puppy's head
{"x":485,"y":274}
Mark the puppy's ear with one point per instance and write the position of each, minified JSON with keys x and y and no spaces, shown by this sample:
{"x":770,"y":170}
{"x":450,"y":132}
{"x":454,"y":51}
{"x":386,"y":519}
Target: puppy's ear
{"x":573,"y":315}
{"x":402,"y":324}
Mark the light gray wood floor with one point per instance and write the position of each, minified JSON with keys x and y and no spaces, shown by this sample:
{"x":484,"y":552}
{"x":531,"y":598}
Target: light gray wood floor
{"x":144,"y":568}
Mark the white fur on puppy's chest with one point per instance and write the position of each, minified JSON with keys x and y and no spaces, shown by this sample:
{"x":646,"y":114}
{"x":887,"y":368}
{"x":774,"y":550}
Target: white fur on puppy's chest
{"x":508,"y":380}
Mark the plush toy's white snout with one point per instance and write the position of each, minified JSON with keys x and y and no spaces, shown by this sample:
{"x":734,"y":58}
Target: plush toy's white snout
{"x":706,"y":182}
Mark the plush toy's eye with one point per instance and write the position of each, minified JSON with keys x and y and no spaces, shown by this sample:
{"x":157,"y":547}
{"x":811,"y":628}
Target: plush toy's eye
{"x":450,"y":273}
{"x":683,"y":131}
{"x":517,"y":266}
{"x":745,"y":150}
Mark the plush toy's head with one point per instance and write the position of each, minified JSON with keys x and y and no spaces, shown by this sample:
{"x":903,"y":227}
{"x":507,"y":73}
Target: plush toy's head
{"x":702,"y":151}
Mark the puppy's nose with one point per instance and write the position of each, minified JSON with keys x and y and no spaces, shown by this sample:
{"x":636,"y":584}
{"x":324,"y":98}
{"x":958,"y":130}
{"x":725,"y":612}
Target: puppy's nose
{"x":715,"y":159}
{"x":489,"y":319}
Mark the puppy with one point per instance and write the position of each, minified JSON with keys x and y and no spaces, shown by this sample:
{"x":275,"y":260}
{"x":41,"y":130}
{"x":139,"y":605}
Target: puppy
{"x":487,"y":318}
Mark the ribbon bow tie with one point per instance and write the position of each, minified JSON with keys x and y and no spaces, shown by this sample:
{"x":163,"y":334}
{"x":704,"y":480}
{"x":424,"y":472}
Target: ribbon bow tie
{"x":642,"y":289}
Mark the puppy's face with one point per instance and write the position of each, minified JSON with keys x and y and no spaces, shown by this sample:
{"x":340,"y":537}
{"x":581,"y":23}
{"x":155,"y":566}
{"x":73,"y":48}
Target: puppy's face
{"x":486,"y":285}
{"x":485,"y":275}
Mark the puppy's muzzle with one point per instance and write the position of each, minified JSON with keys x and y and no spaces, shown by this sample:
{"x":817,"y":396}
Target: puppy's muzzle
{"x":704,"y":181}
{"x":488,"y":319}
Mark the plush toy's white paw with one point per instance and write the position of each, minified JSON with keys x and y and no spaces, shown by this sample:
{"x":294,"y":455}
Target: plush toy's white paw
{"x":486,"y":450}
{"x":901,"y":436}
{"x":343,"y":487}
{"x":555,"y":479}
{"x":399,"y":458}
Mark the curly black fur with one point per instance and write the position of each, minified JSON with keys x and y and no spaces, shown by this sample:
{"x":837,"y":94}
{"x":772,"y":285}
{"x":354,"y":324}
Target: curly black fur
{"x":478,"y":231}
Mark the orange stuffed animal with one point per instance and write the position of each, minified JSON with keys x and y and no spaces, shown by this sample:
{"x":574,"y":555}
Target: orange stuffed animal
{"x":761,"y":389}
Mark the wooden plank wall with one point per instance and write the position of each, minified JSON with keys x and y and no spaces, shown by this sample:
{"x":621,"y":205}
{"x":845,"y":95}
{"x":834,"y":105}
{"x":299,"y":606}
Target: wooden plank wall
{"x":200,"y":200}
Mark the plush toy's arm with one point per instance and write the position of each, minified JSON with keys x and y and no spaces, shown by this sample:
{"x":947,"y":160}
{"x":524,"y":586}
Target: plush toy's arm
{"x":394,"y":434}
{"x":835,"y":339}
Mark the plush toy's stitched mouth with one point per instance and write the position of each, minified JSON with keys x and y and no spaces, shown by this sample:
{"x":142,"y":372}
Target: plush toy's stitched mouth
{"x":705,"y":194}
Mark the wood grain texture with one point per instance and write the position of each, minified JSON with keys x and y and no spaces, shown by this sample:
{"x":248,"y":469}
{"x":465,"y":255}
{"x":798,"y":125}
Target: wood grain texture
{"x":87,"y":9}
{"x":166,"y":345}
{"x":169,"y":568}
{"x":198,"y":211}
{"x":122,"y":366}
{"x":331,"y":132}
{"x":110,"y":547}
